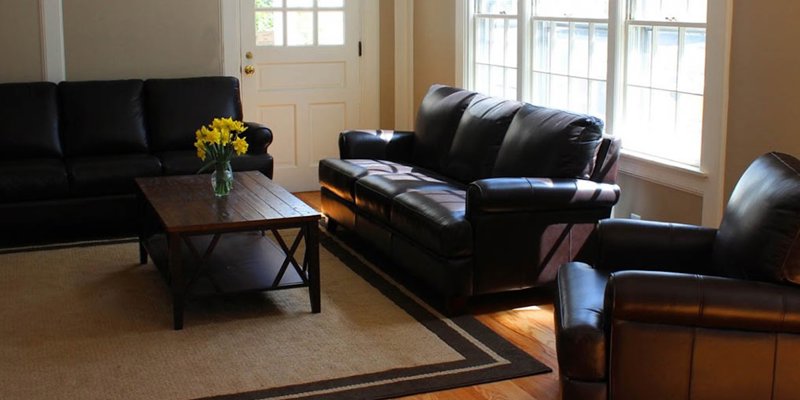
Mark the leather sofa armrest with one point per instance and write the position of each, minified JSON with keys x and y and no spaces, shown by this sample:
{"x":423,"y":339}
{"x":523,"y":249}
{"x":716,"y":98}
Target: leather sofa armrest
{"x":258,"y":137}
{"x":667,"y":298}
{"x":503,"y":195}
{"x":376,"y":144}
{"x":626,"y":244}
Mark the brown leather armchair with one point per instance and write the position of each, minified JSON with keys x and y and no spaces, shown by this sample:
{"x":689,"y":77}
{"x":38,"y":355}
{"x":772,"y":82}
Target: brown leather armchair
{"x":674,"y":311}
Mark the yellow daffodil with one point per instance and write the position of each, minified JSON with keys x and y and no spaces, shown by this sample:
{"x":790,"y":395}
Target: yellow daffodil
{"x":240,"y":146}
{"x":219,"y":141}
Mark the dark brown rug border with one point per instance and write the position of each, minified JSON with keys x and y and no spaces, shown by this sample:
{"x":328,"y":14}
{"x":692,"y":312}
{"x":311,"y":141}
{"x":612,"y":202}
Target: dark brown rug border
{"x":402,"y":381}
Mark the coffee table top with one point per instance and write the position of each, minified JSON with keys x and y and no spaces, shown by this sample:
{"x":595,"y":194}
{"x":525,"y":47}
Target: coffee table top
{"x":187,"y":203}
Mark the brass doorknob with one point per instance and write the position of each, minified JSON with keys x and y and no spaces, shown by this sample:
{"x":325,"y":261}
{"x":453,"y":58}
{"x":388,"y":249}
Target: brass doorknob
{"x":249,"y":70}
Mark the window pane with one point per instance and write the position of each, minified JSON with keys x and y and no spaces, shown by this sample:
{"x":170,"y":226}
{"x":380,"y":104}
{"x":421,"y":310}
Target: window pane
{"x":500,"y":7}
{"x":665,"y":59}
{"x":497,"y":84}
{"x":269,"y":28}
{"x":541,"y":46}
{"x":482,"y":78}
{"x":496,"y":41}
{"x":330,"y":3}
{"x":578,"y":95}
{"x":559,"y":50}
{"x":300,"y":28}
{"x":597,"y":99}
{"x":511,"y":83}
{"x":331,"y":27}
{"x":511,"y":44}
{"x":482,"y":41}
{"x":579,"y":50}
{"x":299,"y":3}
{"x":692,"y":65}
{"x":559,"y":92}
{"x":669,"y":10}
{"x":269,"y":3}
{"x":540,"y":93}
{"x":689,"y":127}
{"x":640,"y":50}
{"x":662,"y":111}
{"x":598,"y":52}
{"x":573,"y":8}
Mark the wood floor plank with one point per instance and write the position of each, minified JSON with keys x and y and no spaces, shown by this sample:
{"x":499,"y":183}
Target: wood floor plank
{"x":525,"y":319}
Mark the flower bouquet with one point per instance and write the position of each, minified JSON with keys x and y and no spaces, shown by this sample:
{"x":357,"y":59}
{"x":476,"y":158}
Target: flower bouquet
{"x":216,"y":144}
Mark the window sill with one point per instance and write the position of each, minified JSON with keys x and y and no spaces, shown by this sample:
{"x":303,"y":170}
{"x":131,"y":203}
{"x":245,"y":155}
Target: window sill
{"x":671,"y":174}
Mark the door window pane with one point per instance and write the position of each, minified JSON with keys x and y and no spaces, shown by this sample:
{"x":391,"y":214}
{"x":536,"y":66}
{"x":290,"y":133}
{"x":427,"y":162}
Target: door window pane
{"x":299,"y":3}
{"x":300,"y":22}
{"x":330,"y":3}
{"x":269,"y":28}
{"x":300,"y":28}
{"x":331,"y":28}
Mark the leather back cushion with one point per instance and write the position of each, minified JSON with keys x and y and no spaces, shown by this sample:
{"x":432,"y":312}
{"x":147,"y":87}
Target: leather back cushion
{"x":176,"y":108}
{"x":478,"y":137}
{"x":437,"y":119}
{"x":102,"y":117}
{"x":29,"y":121}
{"x":759,"y":237}
{"x":543,"y":142}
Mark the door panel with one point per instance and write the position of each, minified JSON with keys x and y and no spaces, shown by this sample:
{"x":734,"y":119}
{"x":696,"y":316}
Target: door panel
{"x":306,"y":85}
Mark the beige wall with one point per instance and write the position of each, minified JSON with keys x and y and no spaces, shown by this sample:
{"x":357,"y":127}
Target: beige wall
{"x":434,"y":45}
{"x":115,"y":39}
{"x":387,"y":64}
{"x":765,"y":83}
{"x":20,"y":38}
{"x":657,"y":202}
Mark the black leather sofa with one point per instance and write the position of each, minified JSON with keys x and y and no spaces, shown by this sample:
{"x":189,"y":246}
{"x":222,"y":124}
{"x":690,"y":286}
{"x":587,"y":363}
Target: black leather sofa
{"x":485,"y":195}
{"x":69,"y":152}
{"x":673,"y":311}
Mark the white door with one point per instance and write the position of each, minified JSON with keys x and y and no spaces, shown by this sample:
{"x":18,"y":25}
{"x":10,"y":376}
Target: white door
{"x":302,"y":76}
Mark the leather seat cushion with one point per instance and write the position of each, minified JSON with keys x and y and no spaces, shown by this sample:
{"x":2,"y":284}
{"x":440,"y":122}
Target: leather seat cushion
{"x":93,"y":176}
{"x":340,"y":176}
{"x":34,"y":179}
{"x":580,"y":330}
{"x":29,"y":115}
{"x":374,"y":194}
{"x":101,"y":118}
{"x":436,"y":220}
{"x":187,"y":162}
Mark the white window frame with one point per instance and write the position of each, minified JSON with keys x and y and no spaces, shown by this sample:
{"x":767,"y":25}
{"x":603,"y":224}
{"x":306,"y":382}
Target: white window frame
{"x":707,"y":180}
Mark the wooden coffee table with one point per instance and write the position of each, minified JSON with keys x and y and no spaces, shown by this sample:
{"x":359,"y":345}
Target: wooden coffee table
{"x":207,"y":245}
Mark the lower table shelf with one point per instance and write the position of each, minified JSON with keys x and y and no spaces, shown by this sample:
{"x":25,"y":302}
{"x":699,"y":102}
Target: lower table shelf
{"x":241,"y":262}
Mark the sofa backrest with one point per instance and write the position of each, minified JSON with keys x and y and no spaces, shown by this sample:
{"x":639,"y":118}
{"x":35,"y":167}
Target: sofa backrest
{"x":544,"y":142}
{"x":478,"y":137}
{"x":102,"y":117}
{"x":759,"y":237}
{"x":176,"y":108}
{"x":437,"y":120}
{"x":29,"y":121}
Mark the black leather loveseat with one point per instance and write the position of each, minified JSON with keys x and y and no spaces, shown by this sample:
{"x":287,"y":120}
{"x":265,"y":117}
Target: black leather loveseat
{"x":69,"y":152}
{"x":485,"y":195}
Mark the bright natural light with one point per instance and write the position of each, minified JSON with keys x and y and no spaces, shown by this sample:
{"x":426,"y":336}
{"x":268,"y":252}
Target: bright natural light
{"x":299,"y":22}
{"x":658,"y":105}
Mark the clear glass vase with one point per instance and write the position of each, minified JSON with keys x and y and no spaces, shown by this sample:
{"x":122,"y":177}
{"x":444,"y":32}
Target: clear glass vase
{"x":222,"y":179}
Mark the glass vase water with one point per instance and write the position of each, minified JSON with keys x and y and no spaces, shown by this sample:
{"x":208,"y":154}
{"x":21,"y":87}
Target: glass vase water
{"x":222,"y":179}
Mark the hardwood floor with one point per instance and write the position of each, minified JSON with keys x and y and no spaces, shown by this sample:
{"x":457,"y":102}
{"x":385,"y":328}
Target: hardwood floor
{"x":525,"y":319}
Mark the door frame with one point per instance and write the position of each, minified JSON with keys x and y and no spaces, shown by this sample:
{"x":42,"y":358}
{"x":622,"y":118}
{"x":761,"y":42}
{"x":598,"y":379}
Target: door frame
{"x":369,"y":62}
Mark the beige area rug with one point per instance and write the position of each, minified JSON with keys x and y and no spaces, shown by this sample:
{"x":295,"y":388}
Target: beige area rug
{"x":91,"y":323}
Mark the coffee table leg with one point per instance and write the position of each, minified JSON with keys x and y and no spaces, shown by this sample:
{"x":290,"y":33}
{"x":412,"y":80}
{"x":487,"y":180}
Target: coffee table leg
{"x":176,"y":280}
{"x":312,"y":252}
